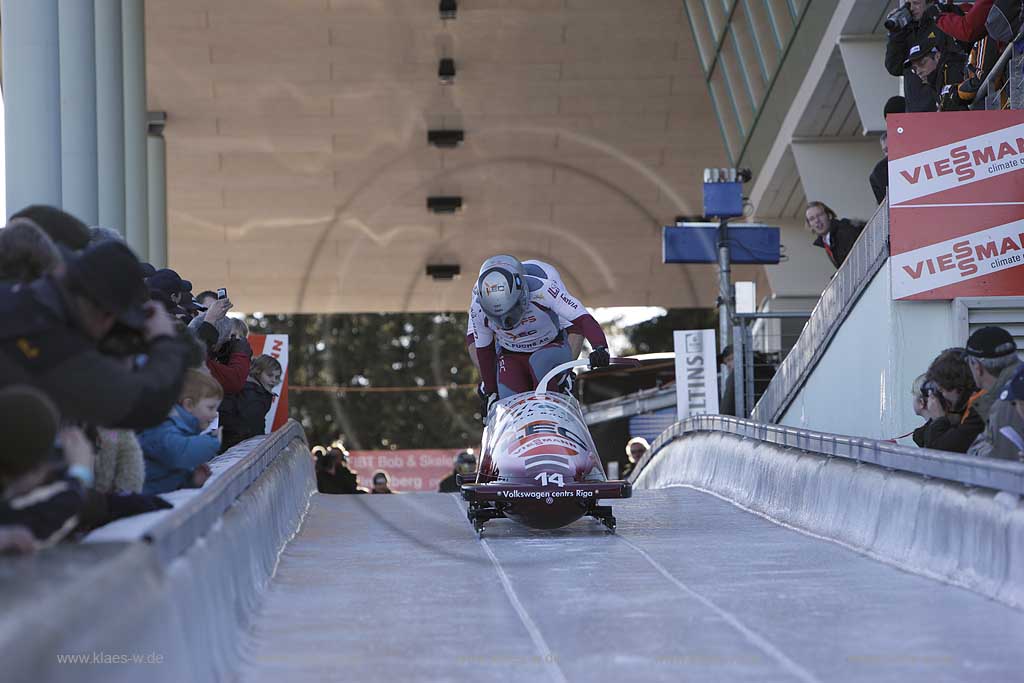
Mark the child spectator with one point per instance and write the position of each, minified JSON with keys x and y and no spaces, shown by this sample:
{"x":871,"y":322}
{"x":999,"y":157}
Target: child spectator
{"x":243,"y":415}
{"x":381,"y":482}
{"x":176,"y":451}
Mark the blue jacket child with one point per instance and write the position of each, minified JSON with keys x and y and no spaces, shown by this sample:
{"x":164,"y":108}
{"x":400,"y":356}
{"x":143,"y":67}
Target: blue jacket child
{"x":176,"y":452}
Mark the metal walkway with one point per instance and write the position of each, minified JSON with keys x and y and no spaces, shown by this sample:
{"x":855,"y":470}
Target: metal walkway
{"x":398,"y":588}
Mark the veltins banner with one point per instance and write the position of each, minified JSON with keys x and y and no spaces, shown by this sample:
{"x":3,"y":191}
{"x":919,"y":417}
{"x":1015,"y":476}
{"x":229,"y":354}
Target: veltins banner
{"x":275,"y":345}
{"x":956,"y":204}
{"x":696,"y":372}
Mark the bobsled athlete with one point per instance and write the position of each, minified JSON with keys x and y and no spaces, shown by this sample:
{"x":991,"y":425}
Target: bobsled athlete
{"x":517,"y":318}
{"x":544,"y":271}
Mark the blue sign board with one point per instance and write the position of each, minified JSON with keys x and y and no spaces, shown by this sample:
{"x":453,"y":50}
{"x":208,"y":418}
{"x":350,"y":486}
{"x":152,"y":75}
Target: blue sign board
{"x":698,"y":243}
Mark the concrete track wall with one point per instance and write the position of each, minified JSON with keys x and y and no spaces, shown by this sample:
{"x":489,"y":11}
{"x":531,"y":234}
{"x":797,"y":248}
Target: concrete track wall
{"x":971,"y":537}
{"x":191,"y":612}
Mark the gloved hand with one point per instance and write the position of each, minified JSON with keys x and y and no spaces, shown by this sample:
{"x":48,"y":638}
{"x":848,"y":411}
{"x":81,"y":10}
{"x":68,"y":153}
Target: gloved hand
{"x":487,"y":400}
{"x":931,"y":13}
{"x":599,"y":357}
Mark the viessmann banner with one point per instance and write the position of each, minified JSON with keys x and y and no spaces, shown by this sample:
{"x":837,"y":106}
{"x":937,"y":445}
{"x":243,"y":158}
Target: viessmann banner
{"x":956,"y":204}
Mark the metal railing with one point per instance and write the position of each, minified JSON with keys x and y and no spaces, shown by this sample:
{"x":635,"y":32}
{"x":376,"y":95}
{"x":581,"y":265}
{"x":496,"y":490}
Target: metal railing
{"x":866,"y":258}
{"x":756,"y":356}
{"x":180,"y":528}
{"x":990,"y":473}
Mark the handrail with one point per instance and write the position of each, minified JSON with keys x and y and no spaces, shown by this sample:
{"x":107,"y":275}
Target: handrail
{"x":867,"y":257}
{"x":979,"y":97}
{"x":179,"y":529}
{"x":991,"y":473}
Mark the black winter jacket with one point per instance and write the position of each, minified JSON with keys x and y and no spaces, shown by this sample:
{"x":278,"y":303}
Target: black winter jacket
{"x":944,"y":434}
{"x":40,"y":334}
{"x":842,"y":233}
{"x":920,"y":96}
{"x":243,"y":415}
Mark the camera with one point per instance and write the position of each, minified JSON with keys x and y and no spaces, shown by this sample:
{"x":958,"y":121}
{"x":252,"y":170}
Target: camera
{"x":898,"y":19}
{"x":122,"y":341}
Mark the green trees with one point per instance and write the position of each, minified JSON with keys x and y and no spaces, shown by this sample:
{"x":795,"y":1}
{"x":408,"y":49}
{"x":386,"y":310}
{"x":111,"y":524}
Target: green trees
{"x":384,"y":380}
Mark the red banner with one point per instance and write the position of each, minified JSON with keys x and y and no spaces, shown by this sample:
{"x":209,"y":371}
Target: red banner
{"x":275,"y":345}
{"x":411,"y":470}
{"x":956,"y":204}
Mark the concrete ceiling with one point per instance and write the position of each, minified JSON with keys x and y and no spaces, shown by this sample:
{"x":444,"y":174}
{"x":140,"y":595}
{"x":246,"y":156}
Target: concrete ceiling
{"x":298,"y":163}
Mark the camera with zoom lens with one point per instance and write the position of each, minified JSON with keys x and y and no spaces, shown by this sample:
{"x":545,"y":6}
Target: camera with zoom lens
{"x":898,"y":19}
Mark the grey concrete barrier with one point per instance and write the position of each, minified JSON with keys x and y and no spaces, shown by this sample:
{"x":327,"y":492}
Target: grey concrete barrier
{"x":962,"y":534}
{"x":171,"y":607}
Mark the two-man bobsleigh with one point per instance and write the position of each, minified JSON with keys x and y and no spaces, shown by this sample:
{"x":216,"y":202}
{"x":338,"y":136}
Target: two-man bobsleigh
{"x":538,"y":463}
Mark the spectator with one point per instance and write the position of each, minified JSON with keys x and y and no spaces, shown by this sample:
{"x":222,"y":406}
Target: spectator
{"x":836,"y":236}
{"x":914,"y":25}
{"x":381,"y":482}
{"x":953,"y":423}
{"x":119,"y":465}
{"x":176,"y":451}
{"x":67,"y":232}
{"x":38,"y":494}
{"x":935,"y":70}
{"x":26,"y":252}
{"x":98,"y":234}
{"x":464,"y":464}
{"x":230,"y":359}
{"x":992,"y":356}
{"x":879,"y":177}
{"x":243,"y":415}
{"x":1014,"y":393}
{"x":206,"y":298}
{"x":636,"y":448}
{"x":50,"y":333}
{"x":333,"y":475}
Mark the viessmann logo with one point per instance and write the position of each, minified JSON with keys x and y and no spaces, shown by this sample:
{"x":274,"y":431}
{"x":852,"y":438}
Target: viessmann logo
{"x":957,"y":260}
{"x":961,"y":163}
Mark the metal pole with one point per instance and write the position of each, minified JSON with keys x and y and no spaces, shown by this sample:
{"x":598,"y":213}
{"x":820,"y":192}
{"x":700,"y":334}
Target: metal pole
{"x":979,"y":98}
{"x":31,"y":82}
{"x":739,"y":369}
{"x":748,"y":363}
{"x":156,"y":159}
{"x":110,"y":114}
{"x":136,"y":204}
{"x":725,"y":295}
{"x":79,"y":192}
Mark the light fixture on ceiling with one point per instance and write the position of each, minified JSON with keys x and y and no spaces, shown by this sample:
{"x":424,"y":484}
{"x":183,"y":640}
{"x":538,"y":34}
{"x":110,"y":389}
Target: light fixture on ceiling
{"x":444,"y":204}
{"x":443,"y":271}
{"x":446,"y":70}
{"x":445,"y":138}
{"x":448,"y":9}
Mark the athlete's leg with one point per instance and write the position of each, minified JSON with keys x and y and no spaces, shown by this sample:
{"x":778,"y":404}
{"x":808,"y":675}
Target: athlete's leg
{"x":513,"y":374}
{"x":547,"y":357}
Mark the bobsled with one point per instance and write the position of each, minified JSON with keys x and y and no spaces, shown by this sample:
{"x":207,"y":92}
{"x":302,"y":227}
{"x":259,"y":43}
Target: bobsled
{"x":538,"y":464}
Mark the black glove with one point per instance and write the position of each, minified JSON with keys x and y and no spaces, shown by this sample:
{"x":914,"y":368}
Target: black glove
{"x":599,"y":357}
{"x":931,"y":13}
{"x":486,"y":401}
{"x":130,"y":504}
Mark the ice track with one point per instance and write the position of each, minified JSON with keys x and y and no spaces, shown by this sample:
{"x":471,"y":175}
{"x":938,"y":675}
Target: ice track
{"x":399,"y":588}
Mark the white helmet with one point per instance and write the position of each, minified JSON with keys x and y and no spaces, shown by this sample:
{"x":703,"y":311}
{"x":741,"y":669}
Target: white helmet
{"x":502,"y":291}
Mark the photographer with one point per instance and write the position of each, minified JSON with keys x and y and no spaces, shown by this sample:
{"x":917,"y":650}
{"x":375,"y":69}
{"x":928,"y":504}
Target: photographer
{"x":52,"y":331}
{"x":945,"y":399}
{"x":916,"y":23}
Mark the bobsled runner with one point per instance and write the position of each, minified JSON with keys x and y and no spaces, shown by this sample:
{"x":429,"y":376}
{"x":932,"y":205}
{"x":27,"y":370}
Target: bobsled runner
{"x":538,"y":464}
